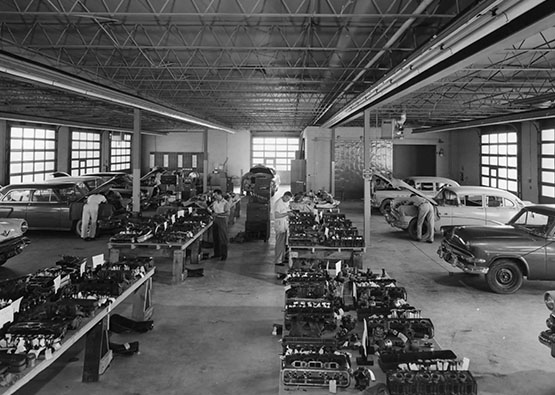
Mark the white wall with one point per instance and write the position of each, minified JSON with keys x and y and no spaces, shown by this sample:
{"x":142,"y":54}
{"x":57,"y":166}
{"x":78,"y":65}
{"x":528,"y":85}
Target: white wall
{"x":221,"y":146}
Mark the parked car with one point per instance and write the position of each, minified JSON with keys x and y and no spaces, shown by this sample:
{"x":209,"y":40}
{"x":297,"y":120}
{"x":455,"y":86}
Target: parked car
{"x":123,"y":183}
{"x":384,"y":190}
{"x":12,"y":239}
{"x":505,"y":254}
{"x":547,"y":337}
{"x":259,"y":171}
{"x":50,"y":205}
{"x":90,"y":182}
{"x":458,"y":205}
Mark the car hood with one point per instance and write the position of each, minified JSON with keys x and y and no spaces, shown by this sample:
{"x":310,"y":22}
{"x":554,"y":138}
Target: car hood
{"x":401,"y":184}
{"x":504,"y":233}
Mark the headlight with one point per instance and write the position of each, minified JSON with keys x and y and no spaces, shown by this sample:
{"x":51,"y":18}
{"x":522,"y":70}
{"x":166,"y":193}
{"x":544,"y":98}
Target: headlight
{"x":24,"y":227}
{"x":549,"y":300}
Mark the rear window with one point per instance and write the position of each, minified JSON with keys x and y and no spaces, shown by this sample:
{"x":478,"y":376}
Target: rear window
{"x":426,"y":186}
{"x":17,"y":195}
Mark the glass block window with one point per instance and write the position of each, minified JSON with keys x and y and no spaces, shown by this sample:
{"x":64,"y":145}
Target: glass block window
{"x":275,"y":152}
{"x":547,"y":165}
{"x":499,"y":161}
{"x":85,"y":152}
{"x":32,"y":153}
{"x":120,"y":152}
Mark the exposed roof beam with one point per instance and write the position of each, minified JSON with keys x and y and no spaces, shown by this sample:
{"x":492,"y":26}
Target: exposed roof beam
{"x":491,"y":26}
{"x":37,"y":73}
{"x":511,"y":118}
{"x":64,"y":122}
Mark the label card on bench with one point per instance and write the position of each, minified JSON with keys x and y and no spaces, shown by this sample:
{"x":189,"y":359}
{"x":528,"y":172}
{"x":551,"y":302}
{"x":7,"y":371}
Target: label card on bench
{"x":97,"y":260}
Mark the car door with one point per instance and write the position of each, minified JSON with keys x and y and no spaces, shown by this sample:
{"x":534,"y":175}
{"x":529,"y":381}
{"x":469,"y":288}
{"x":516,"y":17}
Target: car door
{"x":470,"y":211}
{"x":44,"y":209}
{"x":499,"y":209}
{"x":446,"y":202}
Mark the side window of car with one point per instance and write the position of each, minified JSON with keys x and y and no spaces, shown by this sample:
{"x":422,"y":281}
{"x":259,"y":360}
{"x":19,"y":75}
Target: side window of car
{"x":473,"y":201}
{"x":45,"y":196}
{"x":426,"y":186}
{"x":508,"y":203}
{"x":70,"y":194}
{"x":17,"y":195}
{"x":495,"y":201}
{"x":450,"y":198}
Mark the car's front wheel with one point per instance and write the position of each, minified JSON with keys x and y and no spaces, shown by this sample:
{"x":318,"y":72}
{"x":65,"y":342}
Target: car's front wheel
{"x":504,"y":277}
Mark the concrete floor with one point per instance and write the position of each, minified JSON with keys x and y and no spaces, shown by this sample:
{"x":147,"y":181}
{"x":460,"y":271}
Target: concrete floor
{"x":212,"y":334}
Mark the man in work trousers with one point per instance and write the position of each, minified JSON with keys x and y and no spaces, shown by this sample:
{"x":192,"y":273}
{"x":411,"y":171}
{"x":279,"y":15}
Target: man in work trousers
{"x":282,"y":212}
{"x":90,"y":216}
{"x":425,"y":213}
{"x":220,"y":213}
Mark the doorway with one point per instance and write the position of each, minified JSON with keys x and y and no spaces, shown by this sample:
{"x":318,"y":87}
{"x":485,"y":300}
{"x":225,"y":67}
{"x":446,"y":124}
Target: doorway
{"x":414,"y":160}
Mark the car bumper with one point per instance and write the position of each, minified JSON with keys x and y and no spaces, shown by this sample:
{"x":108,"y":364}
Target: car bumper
{"x":13,"y":247}
{"x":463,"y":262}
{"x":395,"y":221}
{"x":547,"y":338}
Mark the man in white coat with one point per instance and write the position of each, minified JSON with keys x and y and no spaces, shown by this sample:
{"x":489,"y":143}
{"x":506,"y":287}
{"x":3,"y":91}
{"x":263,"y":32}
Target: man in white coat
{"x":282,"y":212}
{"x":90,"y":216}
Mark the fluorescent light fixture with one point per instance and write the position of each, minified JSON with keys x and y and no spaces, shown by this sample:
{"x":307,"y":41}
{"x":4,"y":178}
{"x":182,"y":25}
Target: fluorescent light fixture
{"x":29,"y":71}
{"x":487,"y":17}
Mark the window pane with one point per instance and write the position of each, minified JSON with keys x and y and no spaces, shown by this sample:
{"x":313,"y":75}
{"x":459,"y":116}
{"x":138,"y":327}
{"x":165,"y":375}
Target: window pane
{"x":548,"y":135}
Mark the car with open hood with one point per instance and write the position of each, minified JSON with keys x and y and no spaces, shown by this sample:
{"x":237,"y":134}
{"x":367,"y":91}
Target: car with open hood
{"x":122,"y":183}
{"x":506,"y":254}
{"x":384,"y":189}
{"x":457,"y":205}
{"x":51,"y":205}
{"x":248,"y":180}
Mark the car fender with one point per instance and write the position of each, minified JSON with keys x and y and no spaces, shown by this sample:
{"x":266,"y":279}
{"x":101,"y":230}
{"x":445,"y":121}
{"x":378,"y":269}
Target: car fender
{"x":521,"y":261}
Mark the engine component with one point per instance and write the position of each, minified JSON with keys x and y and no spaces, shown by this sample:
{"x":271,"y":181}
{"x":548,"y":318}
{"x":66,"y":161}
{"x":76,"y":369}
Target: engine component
{"x":431,"y":382}
{"x":316,"y":370}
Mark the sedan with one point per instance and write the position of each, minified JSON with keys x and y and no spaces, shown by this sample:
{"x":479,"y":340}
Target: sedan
{"x":50,"y":205}
{"x":458,"y":205}
{"x":505,"y":254}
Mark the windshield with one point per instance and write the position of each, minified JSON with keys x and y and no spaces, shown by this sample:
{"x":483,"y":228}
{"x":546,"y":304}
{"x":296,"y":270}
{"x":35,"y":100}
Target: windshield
{"x":533,"y":222}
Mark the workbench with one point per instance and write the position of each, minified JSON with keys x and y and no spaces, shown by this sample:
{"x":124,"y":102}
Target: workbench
{"x":351,"y":256}
{"x":168,"y":257}
{"x":95,"y":329}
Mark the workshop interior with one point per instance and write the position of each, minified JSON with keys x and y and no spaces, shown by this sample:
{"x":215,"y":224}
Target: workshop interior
{"x":277,"y":197}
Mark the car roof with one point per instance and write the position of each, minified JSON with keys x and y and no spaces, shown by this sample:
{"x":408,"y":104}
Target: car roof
{"x":42,"y":184}
{"x":433,"y":178}
{"x":71,"y":179}
{"x":477,"y":189}
{"x":107,"y":173}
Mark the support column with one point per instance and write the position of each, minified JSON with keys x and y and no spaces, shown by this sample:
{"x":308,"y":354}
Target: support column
{"x":205,"y":161}
{"x":64,"y":150}
{"x":136,"y":160}
{"x":332,"y":164}
{"x":367,"y":177}
{"x":4,"y":152}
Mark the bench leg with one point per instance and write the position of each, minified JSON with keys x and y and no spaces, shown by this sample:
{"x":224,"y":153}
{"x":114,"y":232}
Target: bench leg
{"x":97,"y":353}
{"x":142,"y":302}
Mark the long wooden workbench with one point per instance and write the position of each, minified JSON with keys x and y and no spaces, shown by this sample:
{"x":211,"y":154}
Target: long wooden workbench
{"x":169,"y":255}
{"x":97,"y":353}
